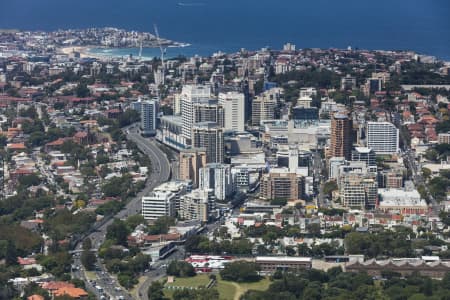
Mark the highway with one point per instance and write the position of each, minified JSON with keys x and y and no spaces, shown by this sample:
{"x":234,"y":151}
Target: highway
{"x":160,"y":173}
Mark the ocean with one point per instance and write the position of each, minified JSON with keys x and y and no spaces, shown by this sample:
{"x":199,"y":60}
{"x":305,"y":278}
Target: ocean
{"x":228,"y":25}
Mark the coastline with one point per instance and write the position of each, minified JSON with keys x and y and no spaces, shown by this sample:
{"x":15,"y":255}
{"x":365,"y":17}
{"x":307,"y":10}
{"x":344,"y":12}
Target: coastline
{"x":83,"y":50}
{"x":87,"y":51}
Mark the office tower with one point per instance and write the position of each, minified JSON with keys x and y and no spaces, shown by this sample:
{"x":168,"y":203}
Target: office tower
{"x":282,"y":184}
{"x":234,"y":106}
{"x":241,"y":179}
{"x":218,"y":178}
{"x":209,"y":136}
{"x":191,"y":160}
{"x":149,"y":113}
{"x":263,"y":107}
{"x":208,"y":111}
{"x":190,"y":95}
{"x":382,"y":137}
{"x":358,"y":190}
{"x":197,"y":205}
{"x":158,"y":204}
{"x":341,"y":136}
{"x":366,"y":155}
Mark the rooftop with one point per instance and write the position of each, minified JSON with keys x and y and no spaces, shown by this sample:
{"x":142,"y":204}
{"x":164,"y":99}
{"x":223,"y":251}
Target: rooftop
{"x":283,"y":259}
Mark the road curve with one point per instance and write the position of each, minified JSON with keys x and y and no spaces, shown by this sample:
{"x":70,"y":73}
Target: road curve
{"x":160,"y":173}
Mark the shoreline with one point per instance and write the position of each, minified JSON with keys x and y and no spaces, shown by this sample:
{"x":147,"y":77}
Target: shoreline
{"x":83,"y":50}
{"x":86,"y":51}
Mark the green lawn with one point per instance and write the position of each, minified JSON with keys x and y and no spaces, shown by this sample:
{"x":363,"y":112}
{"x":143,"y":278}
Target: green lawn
{"x":225,"y":288}
{"x":196,"y":281}
{"x":228,"y":290}
{"x":90,"y":275}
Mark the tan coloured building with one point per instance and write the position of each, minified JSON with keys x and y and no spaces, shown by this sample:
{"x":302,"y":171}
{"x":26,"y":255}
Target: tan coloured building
{"x":341,"y":136}
{"x":191,"y":160}
{"x":282,"y":184}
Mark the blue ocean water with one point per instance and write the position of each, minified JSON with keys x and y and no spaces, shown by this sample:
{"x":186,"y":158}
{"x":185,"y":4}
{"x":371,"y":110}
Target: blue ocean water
{"x":228,"y":25}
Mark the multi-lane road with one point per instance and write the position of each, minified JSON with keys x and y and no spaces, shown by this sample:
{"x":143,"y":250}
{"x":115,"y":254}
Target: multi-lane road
{"x":160,"y":173}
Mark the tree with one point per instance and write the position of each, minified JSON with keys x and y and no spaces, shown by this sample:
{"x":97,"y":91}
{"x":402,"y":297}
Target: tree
{"x":29,"y":180}
{"x":127,"y":280}
{"x":139,"y":263}
{"x":155,"y":291}
{"x":88,"y":260}
{"x":329,"y":187}
{"x":290,"y":251}
{"x":161,"y":225}
{"x":82,"y":90}
{"x":240,"y":271}
{"x":135,"y":220}
{"x":314,"y":229}
{"x":118,"y":232}
{"x":426,"y":173}
{"x":3,"y":141}
{"x":34,"y":289}
{"x":446,"y":281}
{"x":180,"y":269}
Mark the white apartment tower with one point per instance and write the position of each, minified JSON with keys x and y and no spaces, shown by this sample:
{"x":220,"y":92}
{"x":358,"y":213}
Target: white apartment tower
{"x":382,"y":137}
{"x":190,"y":95}
{"x":234,"y":107}
{"x":217,"y":177}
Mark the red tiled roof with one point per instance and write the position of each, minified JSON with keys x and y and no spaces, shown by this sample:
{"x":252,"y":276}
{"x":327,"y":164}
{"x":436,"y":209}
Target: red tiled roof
{"x":26,"y":261}
{"x":71,"y":292}
{"x":35,"y":297}
{"x":80,"y":134}
{"x":17,"y":146}
{"x":54,"y":285}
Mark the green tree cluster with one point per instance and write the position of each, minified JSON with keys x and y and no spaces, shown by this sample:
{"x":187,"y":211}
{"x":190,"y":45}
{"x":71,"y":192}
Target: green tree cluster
{"x":198,"y":294}
{"x":201,"y":244}
{"x":241,"y":271}
{"x":385,"y":243}
{"x":335,"y":284}
{"x":180,"y":269}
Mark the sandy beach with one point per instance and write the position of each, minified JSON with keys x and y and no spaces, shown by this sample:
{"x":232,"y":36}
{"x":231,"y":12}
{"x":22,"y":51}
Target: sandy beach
{"x":83,"y":50}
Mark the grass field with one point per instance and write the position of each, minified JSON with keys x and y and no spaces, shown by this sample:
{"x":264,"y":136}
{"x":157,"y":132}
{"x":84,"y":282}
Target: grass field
{"x":90,"y":275}
{"x":196,"y":281}
{"x":228,"y":290}
{"x":240,"y":288}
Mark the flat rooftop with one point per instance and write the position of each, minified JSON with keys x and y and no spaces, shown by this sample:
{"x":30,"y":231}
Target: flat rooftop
{"x":282,"y":259}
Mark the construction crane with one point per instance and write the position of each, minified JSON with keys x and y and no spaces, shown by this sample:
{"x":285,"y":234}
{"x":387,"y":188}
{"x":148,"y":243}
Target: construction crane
{"x":163,"y":51}
{"x":140,"y":49}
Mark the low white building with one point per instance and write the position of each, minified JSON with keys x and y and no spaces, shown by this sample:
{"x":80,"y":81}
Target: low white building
{"x":407,"y":202}
{"x":158,"y":204}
